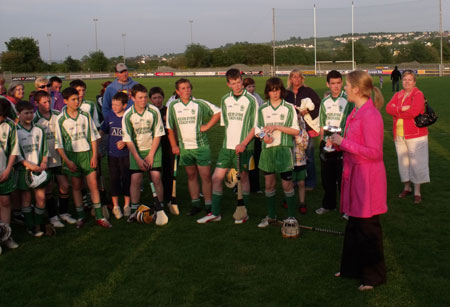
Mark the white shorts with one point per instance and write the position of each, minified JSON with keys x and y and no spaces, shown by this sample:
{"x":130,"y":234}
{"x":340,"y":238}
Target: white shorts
{"x":412,"y":157}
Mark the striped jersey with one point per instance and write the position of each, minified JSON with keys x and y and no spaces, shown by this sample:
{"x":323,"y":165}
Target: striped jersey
{"x":75,"y":134}
{"x":187,"y":118}
{"x":90,"y":107}
{"x":32,"y":143}
{"x":49,"y":124}
{"x":142,"y":128}
{"x":334,"y":111}
{"x":283,"y":115}
{"x":9,"y":144}
{"x":239,"y":114}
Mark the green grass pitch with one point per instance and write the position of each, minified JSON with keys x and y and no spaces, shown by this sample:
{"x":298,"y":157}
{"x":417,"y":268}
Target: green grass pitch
{"x":222,"y":264}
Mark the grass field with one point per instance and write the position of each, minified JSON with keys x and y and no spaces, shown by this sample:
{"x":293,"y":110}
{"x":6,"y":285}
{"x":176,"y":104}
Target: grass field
{"x":222,"y":264}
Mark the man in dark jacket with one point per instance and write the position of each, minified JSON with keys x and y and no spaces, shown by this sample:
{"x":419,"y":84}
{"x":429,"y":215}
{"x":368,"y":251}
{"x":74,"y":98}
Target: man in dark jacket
{"x":396,"y":76}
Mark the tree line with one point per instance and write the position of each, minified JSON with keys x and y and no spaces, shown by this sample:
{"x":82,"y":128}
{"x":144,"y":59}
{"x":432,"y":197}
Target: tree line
{"x":23,"y":55}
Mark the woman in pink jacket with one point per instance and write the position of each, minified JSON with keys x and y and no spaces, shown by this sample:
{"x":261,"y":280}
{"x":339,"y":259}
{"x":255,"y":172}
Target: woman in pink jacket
{"x":363,"y":190}
{"x":411,"y":142}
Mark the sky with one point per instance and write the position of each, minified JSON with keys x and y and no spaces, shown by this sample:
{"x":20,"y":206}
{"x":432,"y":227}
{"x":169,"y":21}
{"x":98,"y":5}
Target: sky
{"x":159,"y":27}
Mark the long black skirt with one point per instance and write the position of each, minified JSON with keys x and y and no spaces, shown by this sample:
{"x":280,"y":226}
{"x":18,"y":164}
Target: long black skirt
{"x":363,"y":255}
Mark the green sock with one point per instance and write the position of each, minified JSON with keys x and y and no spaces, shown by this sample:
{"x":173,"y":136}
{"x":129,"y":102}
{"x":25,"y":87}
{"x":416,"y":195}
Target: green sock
{"x":290,"y":199}
{"x":208,"y":205}
{"x":39,"y":216}
{"x":134,"y":207}
{"x":196,"y":203}
{"x":270,"y":203}
{"x":28,"y":216}
{"x":98,"y":211}
{"x":80,"y":212}
{"x":246,"y":196}
{"x":216,"y":199}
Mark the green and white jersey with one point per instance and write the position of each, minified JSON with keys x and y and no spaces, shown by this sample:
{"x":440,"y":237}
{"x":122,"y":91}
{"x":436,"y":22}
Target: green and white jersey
{"x":32,"y":143}
{"x":90,"y":107}
{"x":239,"y":114}
{"x":75,"y":134}
{"x":9,"y":143}
{"x":283,"y":115}
{"x":142,"y":128}
{"x":49,"y":124}
{"x":334,"y":111}
{"x":187,"y":118}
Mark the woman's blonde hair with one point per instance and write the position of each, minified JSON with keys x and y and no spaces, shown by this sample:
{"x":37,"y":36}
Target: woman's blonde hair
{"x":294,"y":72}
{"x":409,"y":72}
{"x":363,"y":81}
{"x":40,"y":80}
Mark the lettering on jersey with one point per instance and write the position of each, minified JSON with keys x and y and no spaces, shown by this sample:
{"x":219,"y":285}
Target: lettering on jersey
{"x":116,"y":131}
{"x":30,"y":148}
{"x":77,"y":136}
{"x":187,"y":120}
{"x":235,"y":116}
{"x":143,"y":130}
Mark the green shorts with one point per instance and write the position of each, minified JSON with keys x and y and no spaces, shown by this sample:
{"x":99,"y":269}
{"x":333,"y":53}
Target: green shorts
{"x":227,"y":159}
{"x":200,"y":156}
{"x":22,"y":184}
{"x":144,"y":153}
{"x":277,"y":159}
{"x":9,"y":185}
{"x":83,"y":162}
{"x":299,"y":173}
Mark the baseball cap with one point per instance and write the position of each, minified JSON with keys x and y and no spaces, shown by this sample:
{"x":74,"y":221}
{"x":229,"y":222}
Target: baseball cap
{"x":121,"y":67}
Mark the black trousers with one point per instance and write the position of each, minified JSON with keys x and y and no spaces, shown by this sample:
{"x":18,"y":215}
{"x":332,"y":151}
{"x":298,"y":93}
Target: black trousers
{"x":254,"y":174}
{"x":331,"y":173}
{"x":363,"y":255}
{"x":167,"y":167}
{"x":119,"y":175}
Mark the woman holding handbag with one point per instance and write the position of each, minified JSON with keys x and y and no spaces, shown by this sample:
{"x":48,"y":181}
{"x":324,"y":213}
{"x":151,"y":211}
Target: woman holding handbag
{"x":411,"y":142}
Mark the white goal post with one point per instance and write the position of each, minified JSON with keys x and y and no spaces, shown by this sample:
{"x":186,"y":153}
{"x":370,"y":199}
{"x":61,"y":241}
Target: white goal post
{"x":323,"y":67}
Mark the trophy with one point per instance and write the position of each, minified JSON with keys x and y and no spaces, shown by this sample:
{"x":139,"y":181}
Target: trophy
{"x":328,"y":132}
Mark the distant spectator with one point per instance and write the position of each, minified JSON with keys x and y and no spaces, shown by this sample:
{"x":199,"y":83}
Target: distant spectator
{"x":14,"y":95}
{"x":122,"y":83}
{"x":411,"y":142}
{"x":57,"y":102}
{"x":396,"y":76}
{"x":40,"y":84}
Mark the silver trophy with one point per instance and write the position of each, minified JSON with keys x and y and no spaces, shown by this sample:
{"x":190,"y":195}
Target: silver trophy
{"x":262,"y":134}
{"x":328,"y":132}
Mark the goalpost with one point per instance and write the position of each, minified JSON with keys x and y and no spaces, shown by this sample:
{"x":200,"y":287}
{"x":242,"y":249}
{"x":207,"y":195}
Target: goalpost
{"x":323,"y":67}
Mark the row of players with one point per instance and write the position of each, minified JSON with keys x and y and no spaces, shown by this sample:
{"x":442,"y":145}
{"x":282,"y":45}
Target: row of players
{"x":66,"y":144}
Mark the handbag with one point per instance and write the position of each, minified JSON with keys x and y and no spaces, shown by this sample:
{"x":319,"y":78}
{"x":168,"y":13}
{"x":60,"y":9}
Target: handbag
{"x":426,"y":119}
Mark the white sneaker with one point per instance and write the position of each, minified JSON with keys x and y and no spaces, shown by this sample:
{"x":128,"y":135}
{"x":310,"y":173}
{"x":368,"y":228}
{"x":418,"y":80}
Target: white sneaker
{"x":209,"y":218}
{"x":127,"y":211}
{"x":322,"y":211}
{"x":10,"y":243}
{"x":105,"y":212}
{"x":266,"y":222}
{"x":66,"y":217}
{"x":117,"y":212}
{"x":56,"y":222}
{"x":345,"y":216}
{"x":245,"y":219}
{"x":161,"y":218}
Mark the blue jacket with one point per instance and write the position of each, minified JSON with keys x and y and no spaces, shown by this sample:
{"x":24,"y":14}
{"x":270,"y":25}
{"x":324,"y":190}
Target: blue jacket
{"x":112,"y":89}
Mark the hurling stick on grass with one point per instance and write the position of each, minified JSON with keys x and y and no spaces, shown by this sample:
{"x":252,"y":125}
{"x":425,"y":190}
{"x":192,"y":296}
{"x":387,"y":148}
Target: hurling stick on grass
{"x":173,"y":207}
{"x":240,"y":212}
{"x":161,"y":217}
{"x":334,"y":232}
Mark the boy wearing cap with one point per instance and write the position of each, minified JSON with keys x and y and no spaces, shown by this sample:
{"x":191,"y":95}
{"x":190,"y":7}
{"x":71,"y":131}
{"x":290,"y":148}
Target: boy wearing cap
{"x":122,"y":83}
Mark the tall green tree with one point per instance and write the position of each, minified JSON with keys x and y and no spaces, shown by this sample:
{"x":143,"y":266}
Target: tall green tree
{"x":72,"y":65}
{"x":22,"y":55}
{"x":97,"y":61}
{"x":197,"y":56}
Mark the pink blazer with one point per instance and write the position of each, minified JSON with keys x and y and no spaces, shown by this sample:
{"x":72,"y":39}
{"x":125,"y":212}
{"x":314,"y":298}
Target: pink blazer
{"x":363,"y":188}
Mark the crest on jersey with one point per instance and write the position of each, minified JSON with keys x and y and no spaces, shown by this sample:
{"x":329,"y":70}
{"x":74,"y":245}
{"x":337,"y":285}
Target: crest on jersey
{"x":282,"y":116}
{"x":242,"y":108}
{"x":193,"y":111}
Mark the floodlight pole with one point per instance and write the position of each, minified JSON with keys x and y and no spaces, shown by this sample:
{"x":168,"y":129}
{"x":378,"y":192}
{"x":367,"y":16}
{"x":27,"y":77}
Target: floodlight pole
{"x":315,"y":42}
{"x":273,"y":42}
{"x":49,"y":35}
{"x":191,"y":22}
{"x":123,"y":40}
{"x":353,"y":39}
{"x":441,"y":67}
{"x":96,"y":42}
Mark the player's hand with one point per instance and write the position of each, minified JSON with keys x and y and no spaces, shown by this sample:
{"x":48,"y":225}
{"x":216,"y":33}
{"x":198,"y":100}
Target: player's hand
{"x":149,"y":160}
{"x":240,"y":148}
{"x":121,"y":145}
{"x":176,"y":150}
{"x":268,"y":139}
{"x":143,"y":165}
{"x":72,"y":166}
{"x":336,"y":139}
{"x":4,"y":176}
{"x":203,"y":128}
{"x":304,"y":112}
{"x":43,"y":166}
{"x":406,"y":108}
{"x":35,"y":168}
{"x":94,"y":162}
{"x":270,"y":129}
